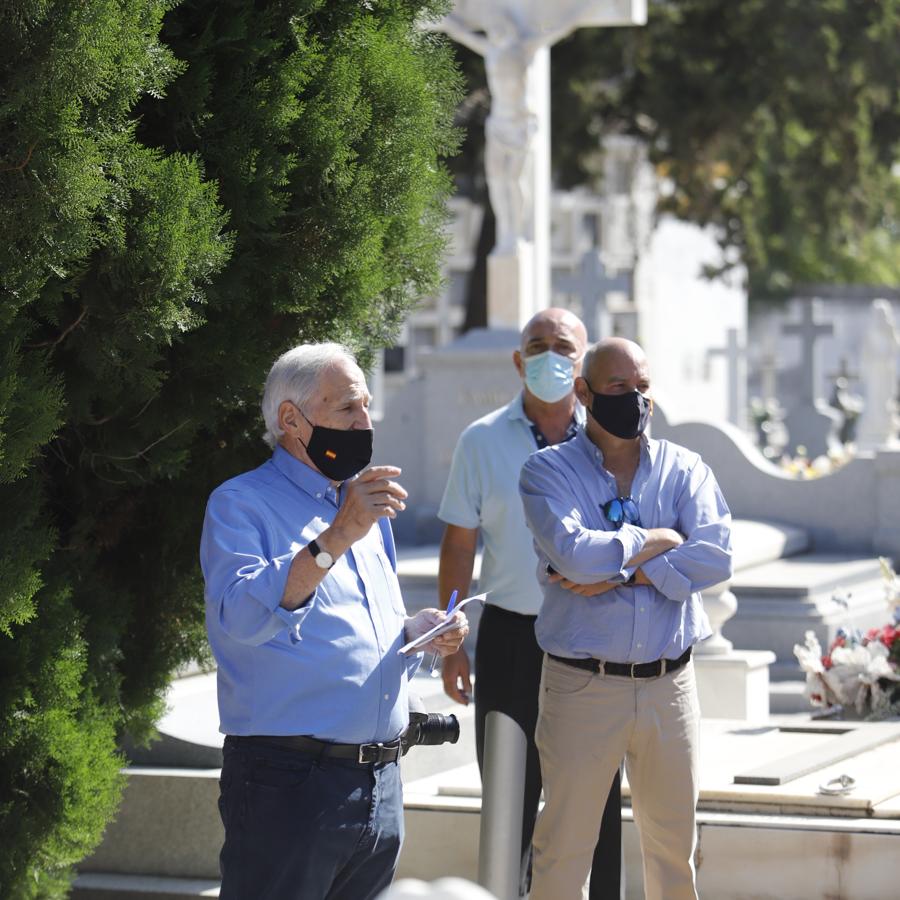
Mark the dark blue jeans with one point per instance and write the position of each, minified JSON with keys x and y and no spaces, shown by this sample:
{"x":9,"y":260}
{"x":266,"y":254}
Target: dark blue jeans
{"x":298,"y":827}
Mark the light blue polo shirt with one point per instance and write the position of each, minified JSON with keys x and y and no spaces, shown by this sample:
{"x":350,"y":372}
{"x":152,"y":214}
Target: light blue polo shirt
{"x":483,"y":492}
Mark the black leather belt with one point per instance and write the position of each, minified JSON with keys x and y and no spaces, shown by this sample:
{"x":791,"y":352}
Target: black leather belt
{"x":629,"y":670}
{"x":364,"y":754}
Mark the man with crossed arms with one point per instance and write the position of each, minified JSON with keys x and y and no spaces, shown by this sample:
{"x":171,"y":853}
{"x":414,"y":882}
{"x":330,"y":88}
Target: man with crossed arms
{"x":628,"y":530}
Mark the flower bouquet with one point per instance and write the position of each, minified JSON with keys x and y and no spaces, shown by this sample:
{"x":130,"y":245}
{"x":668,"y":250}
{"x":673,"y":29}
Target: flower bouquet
{"x":860,"y":672}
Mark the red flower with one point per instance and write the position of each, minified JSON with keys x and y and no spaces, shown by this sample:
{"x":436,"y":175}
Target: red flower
{"x":826,"y":661}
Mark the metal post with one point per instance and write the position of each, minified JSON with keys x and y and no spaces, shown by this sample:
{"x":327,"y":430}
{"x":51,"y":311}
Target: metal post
{"x":502,"y":796}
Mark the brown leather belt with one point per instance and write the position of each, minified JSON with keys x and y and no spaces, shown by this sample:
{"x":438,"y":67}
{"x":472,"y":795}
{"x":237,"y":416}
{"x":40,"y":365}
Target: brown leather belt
{"x":628,"y":670}
{"x":364,"y":754}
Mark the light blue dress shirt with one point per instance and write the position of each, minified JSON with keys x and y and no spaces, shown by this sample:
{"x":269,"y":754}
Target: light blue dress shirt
{"x":482,"y":492}
{"x":329,"y":669}
{"x":563,"y":489}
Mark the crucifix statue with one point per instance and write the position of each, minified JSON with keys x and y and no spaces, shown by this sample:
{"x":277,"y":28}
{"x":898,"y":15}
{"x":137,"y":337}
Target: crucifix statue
{"x":514,"y":37}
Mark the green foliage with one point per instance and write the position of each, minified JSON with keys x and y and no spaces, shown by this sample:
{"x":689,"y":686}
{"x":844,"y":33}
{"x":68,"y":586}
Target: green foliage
{"x":777,"y":121}
{"x":185,"y":191}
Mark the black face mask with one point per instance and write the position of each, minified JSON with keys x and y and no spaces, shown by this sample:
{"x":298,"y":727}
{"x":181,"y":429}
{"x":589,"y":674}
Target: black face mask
{"x":339,"y":454}
{"x":624,"y":415}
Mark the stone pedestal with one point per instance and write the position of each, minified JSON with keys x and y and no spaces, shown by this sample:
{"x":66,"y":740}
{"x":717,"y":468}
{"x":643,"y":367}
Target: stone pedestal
{"x":734,"y":685}
{"x":720,"y":605}
{"x":511,"y":287}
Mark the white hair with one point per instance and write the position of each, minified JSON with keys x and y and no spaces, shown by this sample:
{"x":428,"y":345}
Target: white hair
{"x":294,"y":376}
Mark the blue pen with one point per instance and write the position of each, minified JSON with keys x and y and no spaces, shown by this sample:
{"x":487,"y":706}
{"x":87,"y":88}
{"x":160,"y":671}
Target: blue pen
{"x":449,"y":610}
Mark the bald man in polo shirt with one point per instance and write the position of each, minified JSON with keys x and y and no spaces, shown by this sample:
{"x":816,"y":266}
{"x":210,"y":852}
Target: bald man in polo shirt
{"x":482,"y":498}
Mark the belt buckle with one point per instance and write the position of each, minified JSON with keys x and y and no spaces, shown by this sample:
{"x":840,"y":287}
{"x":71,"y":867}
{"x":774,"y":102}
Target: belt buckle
{"x":362,"y":758}
{"x":376,"y":753}
{"x":631,"y":667}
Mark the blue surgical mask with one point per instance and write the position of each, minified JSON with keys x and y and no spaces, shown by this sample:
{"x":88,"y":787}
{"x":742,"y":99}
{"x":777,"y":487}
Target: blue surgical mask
{"x":549,"y":376}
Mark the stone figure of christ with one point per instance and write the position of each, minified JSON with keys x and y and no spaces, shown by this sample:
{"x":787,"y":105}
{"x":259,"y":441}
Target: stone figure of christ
{"x":509,"y":41}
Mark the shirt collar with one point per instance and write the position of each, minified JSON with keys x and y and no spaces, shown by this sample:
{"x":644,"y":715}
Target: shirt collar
{"x":305,"y":477}
{"x":649,"y":447}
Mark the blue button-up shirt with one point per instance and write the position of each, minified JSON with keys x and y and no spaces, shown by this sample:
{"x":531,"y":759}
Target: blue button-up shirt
{"x":329,"y":669}
{"x":563,"y":489}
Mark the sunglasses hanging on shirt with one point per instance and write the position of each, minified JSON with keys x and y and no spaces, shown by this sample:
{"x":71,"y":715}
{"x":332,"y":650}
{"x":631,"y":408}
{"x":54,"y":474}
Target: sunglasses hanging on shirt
{"x":620,"y":510}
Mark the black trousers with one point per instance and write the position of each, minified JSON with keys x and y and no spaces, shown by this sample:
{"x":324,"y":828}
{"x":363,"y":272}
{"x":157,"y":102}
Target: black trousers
{"x":508,"y":665}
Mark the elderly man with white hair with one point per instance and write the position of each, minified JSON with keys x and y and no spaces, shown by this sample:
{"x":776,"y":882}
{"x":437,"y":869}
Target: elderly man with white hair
{"x":305,"y":619}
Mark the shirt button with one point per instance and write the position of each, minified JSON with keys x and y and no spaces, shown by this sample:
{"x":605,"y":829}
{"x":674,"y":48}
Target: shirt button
{"x":639,"y":646}
{"x":318,"y":496}
{"x":642,"y":609}
{"x":387,"y":697}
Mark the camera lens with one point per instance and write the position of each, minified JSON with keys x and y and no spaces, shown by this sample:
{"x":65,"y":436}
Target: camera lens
{"x":438,"y":729}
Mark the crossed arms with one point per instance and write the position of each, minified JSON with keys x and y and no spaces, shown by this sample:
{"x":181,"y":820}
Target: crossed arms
{"x":693,"y":554}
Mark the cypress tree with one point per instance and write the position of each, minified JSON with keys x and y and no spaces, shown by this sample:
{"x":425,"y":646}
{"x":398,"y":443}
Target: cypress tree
{"x":185,"y":191}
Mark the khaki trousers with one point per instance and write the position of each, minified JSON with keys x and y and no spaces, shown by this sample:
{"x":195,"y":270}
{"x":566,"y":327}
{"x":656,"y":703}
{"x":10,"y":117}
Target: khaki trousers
{"x":587,"y":723}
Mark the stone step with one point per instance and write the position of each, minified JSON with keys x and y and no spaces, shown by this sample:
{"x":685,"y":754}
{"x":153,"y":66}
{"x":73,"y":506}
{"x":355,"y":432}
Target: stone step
{"x":788,"y":697}
{"x":106,"y":886}
{"x":779,"y":601}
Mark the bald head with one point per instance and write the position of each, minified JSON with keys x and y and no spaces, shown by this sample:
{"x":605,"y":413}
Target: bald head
{"x":611,"y":356}
{"x":554,"y":326}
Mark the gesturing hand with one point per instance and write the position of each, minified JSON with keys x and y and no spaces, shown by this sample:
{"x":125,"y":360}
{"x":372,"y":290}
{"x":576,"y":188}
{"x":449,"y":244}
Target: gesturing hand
{"x":372,"y":495}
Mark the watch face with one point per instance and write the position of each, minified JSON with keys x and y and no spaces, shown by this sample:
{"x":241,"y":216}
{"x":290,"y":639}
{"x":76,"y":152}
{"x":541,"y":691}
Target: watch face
{"x":324,"y":560}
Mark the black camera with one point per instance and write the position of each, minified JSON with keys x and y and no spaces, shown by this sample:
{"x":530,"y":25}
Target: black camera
{"x":427,"y":728}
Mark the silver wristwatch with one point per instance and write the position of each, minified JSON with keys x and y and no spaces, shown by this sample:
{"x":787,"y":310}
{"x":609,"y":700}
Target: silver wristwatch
{"x":324,"y":560}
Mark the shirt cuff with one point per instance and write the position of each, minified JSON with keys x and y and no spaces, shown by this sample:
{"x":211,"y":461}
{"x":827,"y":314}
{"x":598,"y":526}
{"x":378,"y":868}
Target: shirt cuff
{"x":632,"y":538}
{"x":667,"y":579}
{"x":268,"y":589}
{"x":268,"y":583}
{"x":293,"y":618}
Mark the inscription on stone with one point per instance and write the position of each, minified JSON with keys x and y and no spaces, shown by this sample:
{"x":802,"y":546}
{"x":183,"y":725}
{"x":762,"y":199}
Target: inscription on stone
{"x":482,"y":398}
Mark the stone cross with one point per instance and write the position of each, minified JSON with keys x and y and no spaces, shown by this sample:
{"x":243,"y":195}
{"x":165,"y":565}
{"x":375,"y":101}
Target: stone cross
{"x":736,"y":356}
{"x":809,"y":329}
{"x":514,"y":37}
{"x":812,"y":423}
{"x":591,"y":284}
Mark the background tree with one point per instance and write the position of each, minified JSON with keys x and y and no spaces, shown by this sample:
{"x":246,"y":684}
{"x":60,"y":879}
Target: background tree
{"x":776,"y":121}
{"x":184,"y":192}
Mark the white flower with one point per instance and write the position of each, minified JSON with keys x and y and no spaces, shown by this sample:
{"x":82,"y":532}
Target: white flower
{"x":819,"y":690}
{"x":855,"y":672}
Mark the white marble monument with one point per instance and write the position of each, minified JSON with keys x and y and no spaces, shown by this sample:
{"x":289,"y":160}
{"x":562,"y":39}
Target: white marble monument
{"x":881,"y":348}
{"x":514,"y":37}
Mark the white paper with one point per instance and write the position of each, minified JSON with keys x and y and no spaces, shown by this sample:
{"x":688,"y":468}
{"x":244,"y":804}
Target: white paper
{"x":441,"y":627}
